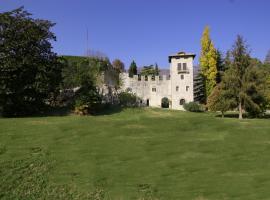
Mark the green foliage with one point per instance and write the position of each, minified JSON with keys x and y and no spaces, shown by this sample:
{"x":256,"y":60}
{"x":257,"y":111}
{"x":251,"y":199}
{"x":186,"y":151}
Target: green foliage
{"x":30,"y":73}
{"x":150,"y":70}
{"x":208,"y":61}
{"x":132,"y":69}
{"x":127,"y":99}
{"x":220,"y":66}
{"x":193,"y":107}
{"x":217,"y":101}
{"x":77,"y":69}
{"x":244,"y":82}
{"x":88,"y":100}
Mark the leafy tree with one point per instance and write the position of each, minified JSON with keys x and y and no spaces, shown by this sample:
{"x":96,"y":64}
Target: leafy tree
{"x":217,"y":101}
{"x":77,"y":68}
{"x":208,"y":61}
{"x":118,"y":65}
{"x":243,"y":83}
{"x":267,"y":58}
{"x":30,"y":73}
{"x":148,"y":70}
{"x":132,"y":69}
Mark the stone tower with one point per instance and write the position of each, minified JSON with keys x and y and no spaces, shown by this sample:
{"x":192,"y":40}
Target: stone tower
{"x":181,"y":70}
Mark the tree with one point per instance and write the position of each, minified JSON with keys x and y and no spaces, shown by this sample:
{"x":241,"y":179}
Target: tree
{"x":217,"y":101}
{"x":243,"y":83}
{"x":132,"y":69}
{"x":118,"y":65}
{"x":148,"y":70}
{"x":30,"y":73}
{"x":220,"y":66}
{"x":267,"y":58}
{"x":208,"y":61}
{"x":156,"y":69}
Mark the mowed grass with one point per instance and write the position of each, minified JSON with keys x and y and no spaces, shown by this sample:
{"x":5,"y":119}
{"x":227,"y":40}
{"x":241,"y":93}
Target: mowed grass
{"x":149,"y":153}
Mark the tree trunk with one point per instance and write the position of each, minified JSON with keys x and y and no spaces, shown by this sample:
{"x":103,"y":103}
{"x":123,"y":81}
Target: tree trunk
{"x":240,"y":111}
{"x":222,"y":114}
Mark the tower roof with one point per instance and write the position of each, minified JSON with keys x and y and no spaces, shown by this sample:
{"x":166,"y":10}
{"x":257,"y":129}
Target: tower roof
{"x":182,"y":54}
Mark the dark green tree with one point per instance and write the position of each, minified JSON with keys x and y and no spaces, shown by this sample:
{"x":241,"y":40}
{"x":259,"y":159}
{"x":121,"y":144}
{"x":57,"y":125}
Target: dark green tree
{"x":220,"y":66}
{"x":156,"y":69}
{"x":132,"y":69}
{"x":30,"y":73}
{"x":243,"y":83}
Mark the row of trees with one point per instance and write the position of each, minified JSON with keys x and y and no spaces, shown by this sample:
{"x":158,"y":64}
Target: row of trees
{"x":34,"y":79}
{"x":237,"y":82}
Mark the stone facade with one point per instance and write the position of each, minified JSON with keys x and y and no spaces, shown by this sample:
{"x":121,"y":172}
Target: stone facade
{"x":177,"y":87}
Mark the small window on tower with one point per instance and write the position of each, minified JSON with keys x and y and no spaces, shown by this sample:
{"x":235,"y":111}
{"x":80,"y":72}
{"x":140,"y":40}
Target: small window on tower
{"x":154,"y":89}
{"x":184,"y":66}
{"x":177,"y":88}
{"x":187,"y":88}
{"x":179,"y":67}
{"x":182,"y":77}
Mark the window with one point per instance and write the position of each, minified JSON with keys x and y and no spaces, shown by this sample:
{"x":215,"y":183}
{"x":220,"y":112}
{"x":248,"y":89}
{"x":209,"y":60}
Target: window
{"x":182,"y":102}
{"x":177,"y":88}
{"x":154,"y":89}
{"x":184,"y":66}
{"x":182,"y":77}
{"x":187,"y":88}
{"x":179,"y":67}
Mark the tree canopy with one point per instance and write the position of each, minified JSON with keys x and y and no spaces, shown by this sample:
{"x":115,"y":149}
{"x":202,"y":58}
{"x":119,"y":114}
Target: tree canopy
{"x":132,"y":69}
{"x":150,"y":70}
{"x":118,"y":65}
{"x":243,"y":84}
{"x":30,"y":72}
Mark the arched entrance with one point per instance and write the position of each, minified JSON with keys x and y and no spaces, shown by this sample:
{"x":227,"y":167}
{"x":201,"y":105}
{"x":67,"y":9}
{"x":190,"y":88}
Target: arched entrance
{"x":165,"y":103}
{"x":182,"y":102}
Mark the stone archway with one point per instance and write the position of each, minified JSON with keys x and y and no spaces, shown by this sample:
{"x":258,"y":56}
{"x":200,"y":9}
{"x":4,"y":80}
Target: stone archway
{"x":165,"y":102}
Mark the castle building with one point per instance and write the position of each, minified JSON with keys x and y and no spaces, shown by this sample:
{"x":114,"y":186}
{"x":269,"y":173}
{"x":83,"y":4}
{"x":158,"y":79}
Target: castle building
{"x":176,"y":88}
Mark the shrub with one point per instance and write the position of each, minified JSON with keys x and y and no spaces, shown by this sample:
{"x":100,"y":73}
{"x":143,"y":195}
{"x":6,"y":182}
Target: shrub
{"x":193,"y":107}
{"x":88,"y":100}
{"x":127,"y":99}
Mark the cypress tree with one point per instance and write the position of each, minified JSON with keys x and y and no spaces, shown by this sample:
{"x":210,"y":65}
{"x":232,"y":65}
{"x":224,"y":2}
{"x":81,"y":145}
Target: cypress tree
{"x":132,"y":69}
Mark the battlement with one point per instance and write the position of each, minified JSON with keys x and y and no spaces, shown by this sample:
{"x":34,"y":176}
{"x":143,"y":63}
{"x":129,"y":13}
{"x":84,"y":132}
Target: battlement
{"x":149,"y":78}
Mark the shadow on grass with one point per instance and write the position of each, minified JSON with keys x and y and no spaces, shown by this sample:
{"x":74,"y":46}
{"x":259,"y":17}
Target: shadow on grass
{"x":109,"y":110}
{"x":245,"y":116}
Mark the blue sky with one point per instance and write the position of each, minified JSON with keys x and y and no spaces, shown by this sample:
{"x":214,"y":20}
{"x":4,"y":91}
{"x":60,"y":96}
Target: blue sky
{"x":149,"y":30}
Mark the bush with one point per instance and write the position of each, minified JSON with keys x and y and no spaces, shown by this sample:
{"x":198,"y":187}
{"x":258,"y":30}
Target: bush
{"x":128,"y":99}
{"x":88,"y":100}
{"x":193,"y":107}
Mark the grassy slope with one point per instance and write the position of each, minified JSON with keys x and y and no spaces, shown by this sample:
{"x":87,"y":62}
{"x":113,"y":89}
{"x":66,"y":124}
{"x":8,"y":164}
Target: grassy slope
{"x":174,"y":155}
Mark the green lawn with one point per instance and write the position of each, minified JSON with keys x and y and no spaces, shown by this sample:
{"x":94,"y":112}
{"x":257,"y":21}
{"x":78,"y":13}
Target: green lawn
{"x":146,"y":154}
